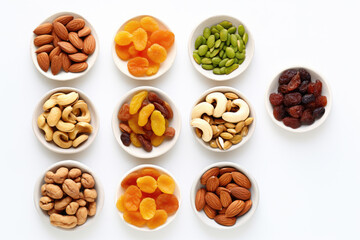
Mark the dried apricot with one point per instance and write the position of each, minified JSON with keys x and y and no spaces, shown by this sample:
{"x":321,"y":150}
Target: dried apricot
{"x":123,"y":38}
{"x":134,"y":218}
{"x":138,"y":66}
{"x":153,"y":195}
{"x":157,"y":123}
{"x":147,"y":208}
{"x":139,"y":39}
{"x":149,"y":24}
{"x":124,"y":114}
{"x":157,"y":53}
{"x":157,"y":140}
{"x":134,"y":140}
{"x":168,"y":202}
{"x":120,"y":204}
{"x":163,"y":37}
{"x":132,"y":25}
{"x":153,"y":68}
{"x":122,"y":52}
{"x":129,"y":180}
{"x":133,"y":124}
{"x":132,"y":198}
{"x":133,"y":52}
{"x":150,"y":172}
{"x":147,"y":184}
{"x":159,"y":219}
{"x":136,"y":101}
{"x":166,"y":184}
{"x":145,"y":113}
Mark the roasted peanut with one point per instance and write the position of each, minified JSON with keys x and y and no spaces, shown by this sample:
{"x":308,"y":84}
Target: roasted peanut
{"x":46,"y":203}
{"x":74,"y":173}
{"x":72,"y":208}
{"x":43,"y":190}
{"x":87,"y":180}
{"x":81,"y":215}
{"x":70,"y":188}
{"x":61,"y":204}
{"x":90,"y":195}
{"x":54,"y":191}
{"x":60,"y":175}
{"x":92,"y":209}
{"x":81,"y":202}
{"x":63,"y":221}
{"x":49,"y":177}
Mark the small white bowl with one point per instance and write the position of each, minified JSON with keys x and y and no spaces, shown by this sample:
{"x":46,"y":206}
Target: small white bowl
{"x":326,"y":91}
{"x":120,"y":191}
{"x":69,"y":164}
{"x":51,"y":145}
{"x":175,"y":122}
{"x":62,"y":75}
{"x":198,"y":31}
{"x":164,"y":67}
{"x":240,"y":220}
{"x":225,"y":89}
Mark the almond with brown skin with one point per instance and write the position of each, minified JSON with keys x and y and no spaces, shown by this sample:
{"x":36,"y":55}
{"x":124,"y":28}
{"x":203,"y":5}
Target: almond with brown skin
{"x":56,"y":64}
{"x":234,"y":208}
{"x":75,"y":40}
{"x":225,"y":198}
{"x":240,"y":193}
{"x":225,"y":179}
{"x":78,"y":67}
{"x":222,"y":211}
{"x":212,"y":184}
{"x":42,"y":40}
{"x":55,"y":52}
{"x":247,"y":207}
{"x":219,"y":189}
{"x":241,"y":180}
{"x":66,"y":63}
{"x":67,"y":47}
{"x":89,"y":44}
{"x":61,"y":31}
{"x":43,"y":61}
{"x":200,"y":199}
{"x":227,"y":170}
{"x":213,"y":201}
{"x":75,"y":24}
{"x":211,"y":172}
{"x":45,"y":48}
{"x":84,"y":32}
{"x":44,"y":28}
{"x":231,"y":185}
{"x":225,"y":221}
{"x":56,"y":39}
{"x":65,"y":19}
{"x":211,"y":213}
{"x":78,"y":57}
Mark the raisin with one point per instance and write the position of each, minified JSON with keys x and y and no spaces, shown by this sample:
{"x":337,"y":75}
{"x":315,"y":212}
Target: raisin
{"x":318,"y":112}
{"x":317,"y":88}
{"x":276,"y":99}
{"x":148,"y":134}
{"x":279,"y":112}
{"x":166,"y":184}
{"x":303,"y":87}
{"x":145,"y":113}
{"x":307,"y":117}
{"x":146,"y":144}
{"x":167,"y":202}
{"x":292,"y":122}
{"x":157,"y":123}
{"x":283,"y":89}
{"x":125,"y":138}
{"x":157,"y":140}
{"x":311,"y":106}
{"x":296,"y":111}
{"x":311,"y":88}
{"x":153,"y":97}
{"x":294,"y":83}
{"x":304,"y":75}
{"x":292,"y":99}
{"x":321,"y":101}
{"x":308,"y":98}
{"x":287,"y":75}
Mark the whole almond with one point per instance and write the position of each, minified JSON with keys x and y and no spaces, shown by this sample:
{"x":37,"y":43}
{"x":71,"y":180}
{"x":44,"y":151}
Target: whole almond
{"x":231,"y":96}
{"x":44,"y":28}
{"x":211,"y":213}
{"x":56,"y":64}
{"x":78,"y":67}
{"x":241,"y":180}
{"x":219,"y":189}
{"x":84,"y":32}
{"x":222,"y":211}
{"x":212,"y":184}
{"x":75,"y":24}
{"x":231,"y":185}
{"x":56,"y":39}
{"x":225,"y":179}
{"x":211,"y":172}
{"x":225,"y":221}
{"x":67,"y":47}
{"x":213,"y":201}
{"x":75,"y":40}
{"x":64,"y":19}
{"x":43,"y":61}
{"x":66,"y":63}
{"x":200,"y":199}
{"x":43,"y":39}
{"x":89,"y":44}
{"x":55,"y":52}
{"x":45,"y":48}
{"x":235,"y":208}
{"x":247,"y":207}
{"x":78,"y":57}
{"x":61,"y":31}
{"x":240,"y":193}
{"x":225,"y":198}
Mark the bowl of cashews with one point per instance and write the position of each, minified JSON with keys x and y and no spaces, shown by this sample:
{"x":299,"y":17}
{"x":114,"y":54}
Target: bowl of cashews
{"x":223,"y":119}
{"x":65,"y":120}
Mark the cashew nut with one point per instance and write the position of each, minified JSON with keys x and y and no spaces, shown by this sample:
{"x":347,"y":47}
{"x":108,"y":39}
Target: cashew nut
{"x":240,"y":115}
{"x":85,"y":113}
{"x":202,"y":108}
{"x":50,"y":103}
{"x":68,"y":116}
{"x":65,"y":127}
{"x":205,"y":127}
{"x":62,"y":139}
{"x":47,"y":129}
{"x":79,"y":140}
{"x":67,"y":99}
{"x":41,"y":121}
{"x":221,"y":101}
{"x":54,"y":116}
{"x":80,"y":127}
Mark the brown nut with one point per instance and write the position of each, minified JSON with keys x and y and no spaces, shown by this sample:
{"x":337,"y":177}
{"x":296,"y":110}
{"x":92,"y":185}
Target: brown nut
{"x":53,"y":211}
{"x":54,"y":191}
{"x":92,"y":209}
{"x":72,"y":208}
{"x":49,"y":177}
{"x":90,"y":195}
{"x":43,"y":190}
{"x":78,"y":184}
{"x":46,"y":203}
{"x":63,"y":221}
{"x":146,"y":144}
{"x":81,"y":215}
{"x":74,"y":173}
{"x":71,"y":189}
{"x":60,"y":175}
{"x":87,"y":180}
{"x":81,"y":202}
{"x":77,"y":180}
{"x":61,"y":204}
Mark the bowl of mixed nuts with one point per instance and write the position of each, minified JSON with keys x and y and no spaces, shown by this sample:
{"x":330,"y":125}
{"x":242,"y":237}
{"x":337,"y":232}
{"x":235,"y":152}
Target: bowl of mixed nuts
{"x":222,"y":119}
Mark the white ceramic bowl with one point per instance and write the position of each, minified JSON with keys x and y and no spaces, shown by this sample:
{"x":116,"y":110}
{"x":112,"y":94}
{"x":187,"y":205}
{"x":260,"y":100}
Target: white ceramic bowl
{"x":164,"y":66}
{"x":167,"y":144}
{"x":69,"y":164}
{"x":225,"y":89}
{"x":198,"y":31}
{"x":51,"y":145}
{"x":326,"y":91}
{"x":62,"y":75}
{"x":120,"y":191}
{"x":240,"y":220}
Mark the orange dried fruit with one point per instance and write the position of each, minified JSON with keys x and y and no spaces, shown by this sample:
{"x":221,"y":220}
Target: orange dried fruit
{"x":130,"y":179}
{"x":132,"y":25}
{"x":159,"y":219}
{"x":138,"y":66}
{"x":145,"y":113}
{"x":132,"y":51}
{"x":166,"y":184}
{"x":132,"y":198}
{"x":163,"y":37}
{"x":157,"y":123}
{"x":123,"y":38}
{"x":168,"y":202}
{"x":143,"y":53}
{"x":157,"y":140}
{"x":137,"y":100}
{"x":147,"y":208}
{"x":133,"y":124}
{"x":153,"y":68}
{"x":149,"y":24}
{"x":135,"y":141}
{"x":134,"y":218}
{"x":120,"y":204}
{"x":139,"y":39}
{"x":157,"y":53}
{"x":153,"y":195}
{"x":122,"y":52}
{"x":147,"y":184}
{"x":150,"y":172}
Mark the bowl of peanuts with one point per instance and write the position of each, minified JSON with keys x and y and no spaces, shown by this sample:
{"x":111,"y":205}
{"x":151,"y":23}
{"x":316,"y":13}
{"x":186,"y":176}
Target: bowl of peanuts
{"x":146,"y":122}
{"x":148,"y":198}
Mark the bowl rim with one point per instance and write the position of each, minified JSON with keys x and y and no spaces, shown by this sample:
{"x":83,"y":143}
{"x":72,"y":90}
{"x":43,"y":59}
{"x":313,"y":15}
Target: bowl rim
{"x":252,"y":114}
{"x":69,"y":75}
{"x":119,"y":191}
{"x":57,"y":149}
{"x":84,"y":168}
{"x":117,"y":60}
{"x":302,"y":128}
{"x":255,"y":196}
{"x":249,"y":52}
{"x":115,"y":123}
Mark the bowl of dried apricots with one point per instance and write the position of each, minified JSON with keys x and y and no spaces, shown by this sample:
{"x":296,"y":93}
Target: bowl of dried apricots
{"x":146,"y":122}
{"x":144,"y":48}
{"x":148,"y":198}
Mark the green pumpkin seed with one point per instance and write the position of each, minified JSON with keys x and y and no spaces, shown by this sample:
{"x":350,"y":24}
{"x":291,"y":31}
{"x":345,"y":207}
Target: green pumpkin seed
{"x":235,"y":48}
{"x":236,"y":60}
{"x":237,"y":36}
{"x":210,"y":41}
{"x":229,"y":62}
{"x":233,"y":40}
{"x":206,"y":33}
{"x":207,"y":67}
{"x":223,"y":35}
{"x":217,"y":36}
{"x":224,"y":56}
{"x":226,"y":24}
{"x":219,"y":27}
{"x":217,"y":43}
{"x":241,"y":45}
{"x":206,"y":61}
{"x":230,"y":69}
{"x":207,"y":54}
{"x":202,"y":50}
{"x":196,"y":51}
{"x":222,"y":70}
{"x":216,"y":71}
{"x":214,"y":53}
{"x":245,"y":38}
{"x":230,"y":52}
{"x":221,"y":54}
{"x":224,"y":48}
{"x":228,"y":40}
{"x":241,"y":30}
{"x":197,"y":58}
{"x":239,"y":55}
{"x":214,"y":30}
{"x":222,"y":63}
{"x":198,"y":42}
{"x":216,"y":60}
{"x":212,"y":49}
{"x":222,"y":45}
{"x":241,"y":61}
{"x":232,"y":30}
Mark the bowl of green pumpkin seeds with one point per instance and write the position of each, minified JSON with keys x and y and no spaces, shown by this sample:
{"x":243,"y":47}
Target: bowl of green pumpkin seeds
{"x":221,"y":47}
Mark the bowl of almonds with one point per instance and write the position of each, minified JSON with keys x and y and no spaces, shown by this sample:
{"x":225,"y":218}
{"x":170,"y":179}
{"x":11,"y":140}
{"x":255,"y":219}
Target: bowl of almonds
{"x":224,"y":195}
{"x":64,"y":46}
{"x":222,"y":119}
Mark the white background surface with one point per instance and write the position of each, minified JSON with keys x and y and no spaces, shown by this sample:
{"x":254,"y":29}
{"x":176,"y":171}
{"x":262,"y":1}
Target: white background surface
{"x":309,"y":183}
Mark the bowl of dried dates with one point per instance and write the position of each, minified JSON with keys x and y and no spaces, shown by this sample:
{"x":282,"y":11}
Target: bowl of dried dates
{"x":224,"y":195}
{"x":68,"y":195}
{"x":298,"y":99}
{"x":148,"y":198}
{"x":146,"y":122}
{"x":222,"y":119}
{"x":64,"y":46}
